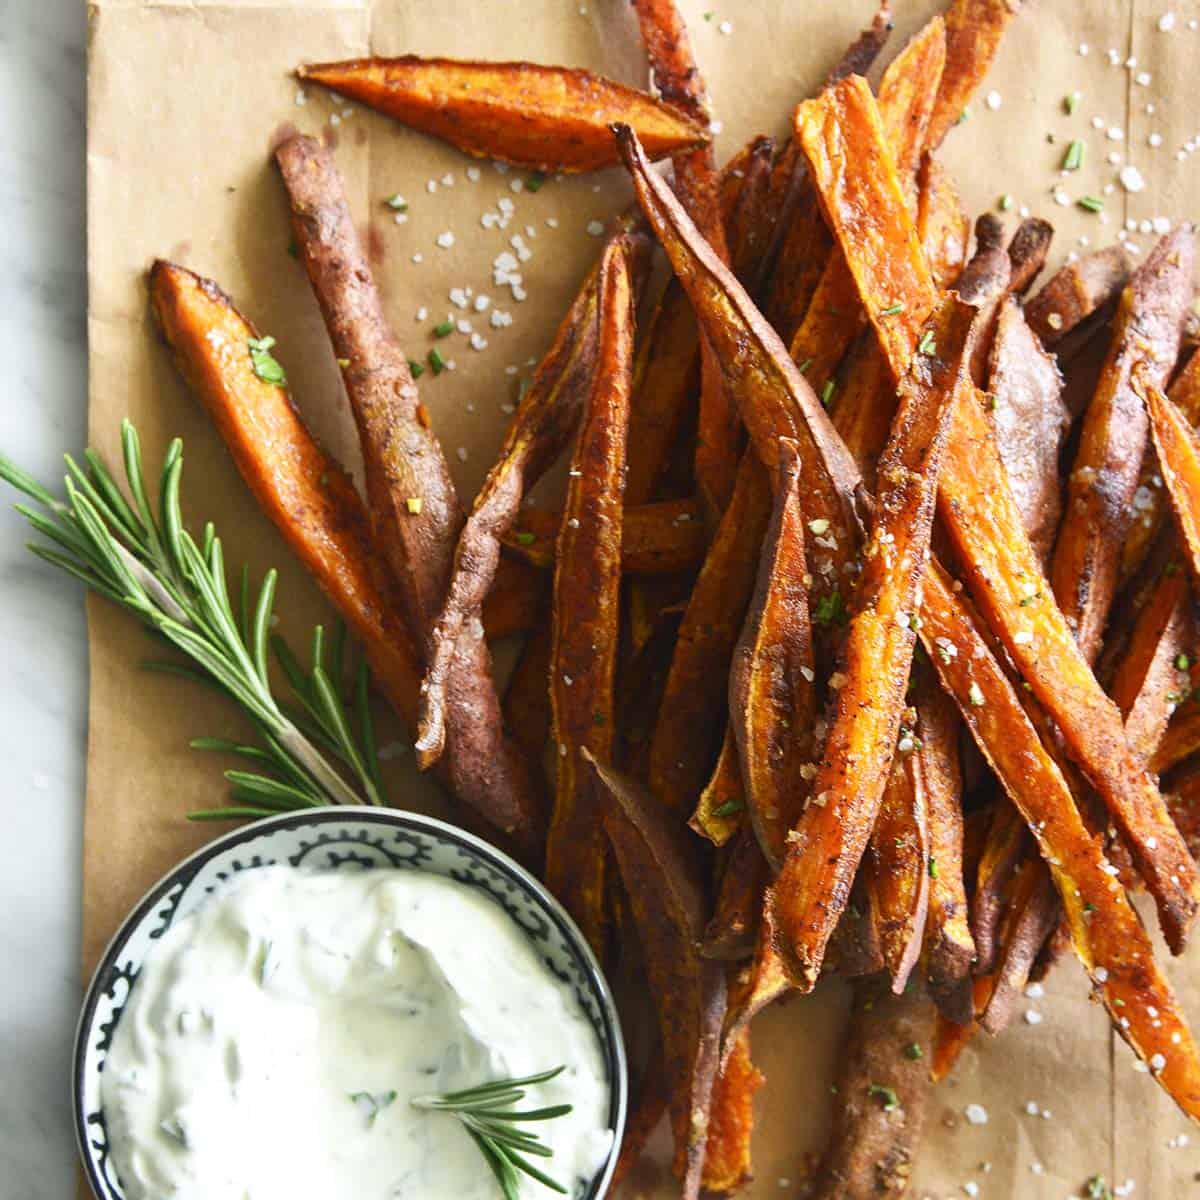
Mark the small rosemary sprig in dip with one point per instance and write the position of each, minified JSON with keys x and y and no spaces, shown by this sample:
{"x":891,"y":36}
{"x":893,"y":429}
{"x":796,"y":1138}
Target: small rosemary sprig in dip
{"x":494,"y":1127}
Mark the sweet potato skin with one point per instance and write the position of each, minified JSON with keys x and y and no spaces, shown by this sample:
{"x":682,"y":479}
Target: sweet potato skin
{"x":1076,"y":291}
{"x":309,"y":498}
{"x":1114,"y":437}
{"x":721,"y":809}
{"x":587,"y":585}
{"x":730,"y":933}
{"x":544,"y":117}
{"x":942,"y":225}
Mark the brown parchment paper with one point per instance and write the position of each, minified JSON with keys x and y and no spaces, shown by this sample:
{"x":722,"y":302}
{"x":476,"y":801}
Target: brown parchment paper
{"x":185,"y":101}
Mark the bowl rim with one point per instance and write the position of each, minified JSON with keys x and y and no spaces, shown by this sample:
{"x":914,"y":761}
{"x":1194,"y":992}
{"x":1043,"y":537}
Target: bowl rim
{"x":613,"y":1043}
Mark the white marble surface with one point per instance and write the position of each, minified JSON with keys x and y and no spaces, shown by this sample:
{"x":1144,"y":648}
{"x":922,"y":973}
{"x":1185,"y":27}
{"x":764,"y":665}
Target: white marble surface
{"x":43,"y":656}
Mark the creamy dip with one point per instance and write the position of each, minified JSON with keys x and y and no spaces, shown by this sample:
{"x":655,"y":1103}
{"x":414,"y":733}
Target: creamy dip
{"x":275,"y":1037}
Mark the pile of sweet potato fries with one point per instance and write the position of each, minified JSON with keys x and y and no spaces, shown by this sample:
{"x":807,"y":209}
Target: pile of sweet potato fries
{"x":864,"y":634}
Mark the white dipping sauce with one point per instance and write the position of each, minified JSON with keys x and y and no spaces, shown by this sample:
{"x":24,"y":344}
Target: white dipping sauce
{"x":259,"y":1018}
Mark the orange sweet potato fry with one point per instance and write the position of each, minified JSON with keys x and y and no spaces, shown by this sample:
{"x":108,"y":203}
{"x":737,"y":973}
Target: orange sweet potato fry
{"x":758,"y":984}
{"x":730,"y":934}
{"x":883,"y":1090}
{"x":693,"y":706}
{"x":666,"y":895}
{"x":587,"y":585}
{"x":1107,"y":934}
{"x":657,"y":539}
{"x":974,"y":29}
{"x":844,"y":142}
{"x":897,"y":866}
{"x":1113,"y":440}
{"x":731,"y":1123}
{"x":774,"y":399}
{"x":309,"y":498}
{"x":951,"y":1037}
{"x":942,"y":225}
{"x":414,"y":510}
{"x":772,"y":689}
{"x":721,"y":809}
{"x":827,"y":844}
{"x":1184,"y":799}
{"x":1178,"y":450}
{"x":1150,"y":506}
{"x":1075,"y":292}
{"x":547,"y":118}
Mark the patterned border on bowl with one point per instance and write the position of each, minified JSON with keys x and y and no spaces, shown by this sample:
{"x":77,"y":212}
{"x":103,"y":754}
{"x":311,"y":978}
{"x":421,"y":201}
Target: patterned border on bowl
{"x":336,"y":839}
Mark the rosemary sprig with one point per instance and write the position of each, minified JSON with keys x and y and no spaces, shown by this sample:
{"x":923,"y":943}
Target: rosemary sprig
{"x":495,"y":1127}
{"x":310,"y":753}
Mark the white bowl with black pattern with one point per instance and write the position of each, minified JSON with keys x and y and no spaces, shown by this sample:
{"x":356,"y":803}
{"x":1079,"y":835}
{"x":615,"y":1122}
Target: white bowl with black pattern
{"x":343,"y":839}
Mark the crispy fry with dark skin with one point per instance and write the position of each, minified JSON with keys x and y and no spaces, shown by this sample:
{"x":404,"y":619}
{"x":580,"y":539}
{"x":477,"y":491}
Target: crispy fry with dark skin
{"x":681,"y":85}
{"x":309,"y":498}
{"x":897,"y":868}
{"x":882,"y":1093}
{"x":1149,"y":516}
{"x":1107,"y":934}
{"x":1031,"y":422}
{"x":758,"y":984}
{"x":1184,"y":799}
{"x":1027,"y":251}
{"x":1113,"y":440}
{"x":527,"y":698}
{"x":906,"y":96}
{"x":645,"y":1111}
{"x":721,"y":809}
{"x":727,"y":1157}
{"x":775,"y":400}
{"x":827,"y":844}
{"x":772,"y":686}
{"x":1178,"y":450}
{"x":845,"y":146}
{"x":942,"y":225}
{"x":951,"y":1037}
{"x":689,"y":720}
{"x":406,"y":471}
{"x":1075,"y":292}
{"x":587,"y":589}
{"x":1149,"y":681}
{"x":547,"y":118}
{"x":731,"y":931}
{"x":666,"y":894}
{"x":989,"y":270}
{"x":746,"y":212}
{"x":514,"y":604}
{"x":1007,"y":846}
{"x":974,"y":29}
{"x":657,"y":539}
{"x":949,"y":947}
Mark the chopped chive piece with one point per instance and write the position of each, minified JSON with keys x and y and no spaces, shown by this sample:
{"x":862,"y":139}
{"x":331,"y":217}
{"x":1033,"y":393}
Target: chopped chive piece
{"x":343,"y":363}
{"x":443,"y":328}
{"x":1073,"y":159}
{"x":535,"y":181}
{"x":831,"y":610}
{"x":913,"y":1051}
{"x":728,"y":808}
{"x":525,"y":538}
{"x":886,"y":1094}
{"x":397,"y":203}
{"x":264,"y":363}
{"x":1091,"y":203}
{"x":1071,"y":102}
{"x":1182,"y":662}
{"x":436,"y":362}
{"x":414,"y":504}
{"x":927,"y":345}
{"x":892,"y":309}
{"x":933,"y":868}
{"x":964,"y":115}
{"x":804,"y":365}
{"x":827,"y":392}
{"x":1005,"y":202}
{"x":416,"y":369}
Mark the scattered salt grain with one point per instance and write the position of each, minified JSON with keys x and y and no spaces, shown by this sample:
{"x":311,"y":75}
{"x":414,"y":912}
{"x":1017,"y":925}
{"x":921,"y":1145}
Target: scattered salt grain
{"x":976,"y":1114}
{"x":1131,"y":179}
{"x":482,"y":302}
{"x":1115,"y":133}
{"x":1033,"y":1017}
{"x":431,"y":186}
{"x":725,"y":27}
{"x":462,"y":454}
{"x":448,"y":179}
{"x":1083,"y":49}
{"x":1166,"y":22}
{"x":473,"y":174}
{"x":595,"y":228}
{"x":301,"y":99}
{"x":993,"y":100}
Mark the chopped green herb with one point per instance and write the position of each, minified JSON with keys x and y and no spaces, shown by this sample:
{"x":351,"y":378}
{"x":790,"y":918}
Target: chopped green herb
{"x":708,"y":16}
{"x":964,"y":115}
{"x":1182,"y":662}
{"x":414,"y":504}
{"x":975,"y":695}
{"x":1071,"y":102}
{"x":805,"y":365}
{"x":892,"y":309}
{"x":416,"y":369}
{"x":397,"y":203}
{"x":599,"y":718}
{"x":827,"y":392}
{"x":343,"y":363}
{"x":927,"y":345}
{"x":293,"y":248}
{"x":1090,"y":203}
{"x":1089,"y":907}
{"x":1172,"y":568}
{"x":370,"y":1105}
{"x":173,"y":1128}
{"x":728,"y":808}
{"x":831,"y":610}
{"x":1073,"y":159}
{"x":1005,"y":202}
{"x":437,"y":364}
{"x":535,"y":181}
{"x":933,"y":868}
{"x":443,"y":329}
{"x":886,"y":1094}
{"x":913,"y":1051}
{"x":263,"y":362}
{"x":1097,"y":1189}
{"x":525,"y":538}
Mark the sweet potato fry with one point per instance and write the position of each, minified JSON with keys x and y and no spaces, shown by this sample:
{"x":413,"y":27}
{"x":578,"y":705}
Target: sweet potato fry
{"x":667,"y":898}
{"x":1149,"y":502}
{"x":757,"y":985}
{"x":882,"y":1093}
{"x":897,"y":866}
{"x":775,"y":400}
{"x":906,"y":96}
{"x":949,"y":947}
{"x":1107,"y":934}
{"x":547,"y":118}
{"x":727,"y":1158}
{"x":309,"y":498}
{"x":414,"y":510}
{"x":1031,"y":423}
{"x":746,"y":213}
{"x":721,"y":809}
{"x":1184,"y":800}
{"x":587,"y":587}
{"x":689,"y":719}
{"x":1178,"y":450}
{"x":731,"y":931}
{"x":646,"y":1109}
{"x":1113,"y":440}
{"x":1075,"y":292}
{"x":942,"y":225}
{"x":826,"y":845}
{"x":772,"y":689}
{"x":989,"y":270}
{"x":1005,"y":850}
{"x":527,"y":698}
{"x":514,"y":604}
{"x":973,"y":32}
{"x":1027,"y":252}
{"x":657,"y":539}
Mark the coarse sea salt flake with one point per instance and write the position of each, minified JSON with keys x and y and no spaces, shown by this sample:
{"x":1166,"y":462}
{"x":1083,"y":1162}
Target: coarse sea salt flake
{"x":976,"y":1114}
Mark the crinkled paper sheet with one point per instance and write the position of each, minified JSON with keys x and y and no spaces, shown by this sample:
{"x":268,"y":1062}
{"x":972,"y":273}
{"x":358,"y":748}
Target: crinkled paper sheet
{"x":185,"y":102}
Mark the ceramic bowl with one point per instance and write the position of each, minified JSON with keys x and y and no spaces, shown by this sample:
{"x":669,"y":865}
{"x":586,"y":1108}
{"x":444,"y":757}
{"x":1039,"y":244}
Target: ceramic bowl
{"x":339,"y":839}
